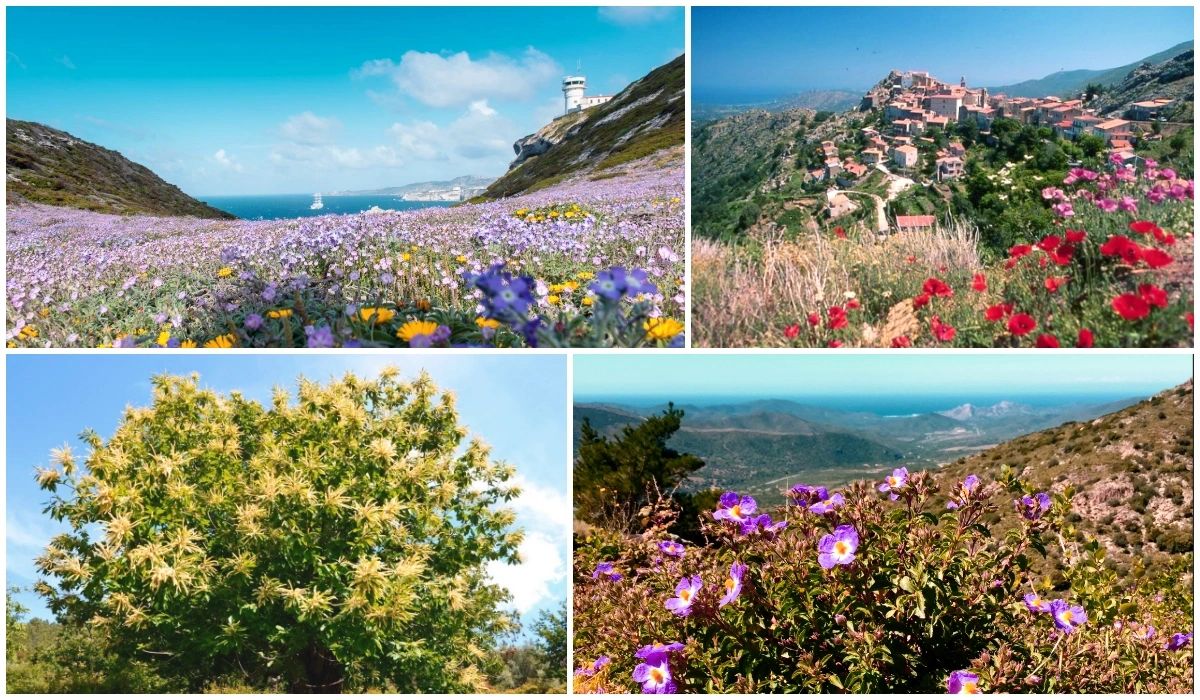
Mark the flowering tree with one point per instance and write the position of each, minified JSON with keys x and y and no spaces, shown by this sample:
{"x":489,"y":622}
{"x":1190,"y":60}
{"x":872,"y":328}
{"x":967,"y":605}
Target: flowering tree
{"x":336,"y":541}
{"x":854,"y":591}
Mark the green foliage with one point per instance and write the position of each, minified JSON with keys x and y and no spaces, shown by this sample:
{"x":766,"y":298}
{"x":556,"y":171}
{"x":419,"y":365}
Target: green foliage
{"x":337,"y":541}
{"x":930,"y":591}
{"x":614,"y":477}
{"x":551,"y":630}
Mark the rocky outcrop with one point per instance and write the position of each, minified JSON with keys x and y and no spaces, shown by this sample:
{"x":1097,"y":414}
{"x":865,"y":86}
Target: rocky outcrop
{"x":1172,"y":79}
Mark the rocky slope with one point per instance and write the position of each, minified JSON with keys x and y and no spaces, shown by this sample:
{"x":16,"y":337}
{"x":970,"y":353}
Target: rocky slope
{"x":645,"y":117}
{"x":1174,"y":79}
{"x":1130,"y":470}
{"x":49,"y":166}
{"x":1065,"y":83}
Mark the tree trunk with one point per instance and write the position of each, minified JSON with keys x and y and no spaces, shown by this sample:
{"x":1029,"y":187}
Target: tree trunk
{"x":322,"y":672}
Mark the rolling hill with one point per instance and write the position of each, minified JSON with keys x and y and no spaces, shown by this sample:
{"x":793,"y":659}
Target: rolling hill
{"x":48,"y":166}
{"x":1131,"y":471}
{"x":646,"y":117}
{"x":1069,"y":82}
{"x":762,"y":446}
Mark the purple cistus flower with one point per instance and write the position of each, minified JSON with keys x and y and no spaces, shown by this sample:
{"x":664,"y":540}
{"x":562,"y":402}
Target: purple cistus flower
{"x":735,"y":508}
{"x":1036,"y":603}
{"x":965,"y":489}
{"x":1178,"y":641}
{"x":895,"y":482}
{"x":1033,"y":507}
{"x":804,"y":495}
{"x":605,"y":570}
{"x":651,"y":652}
{"x":671,"y":549}
{"x":1148,"y":633}
{"x":685,"y":596}
{"x":838,"y":548}
{"x":828,"y":505}
{"x":733,"y":584}
{"x":589,"y":671}
{"x":763,"y":524}
{"x":1066,"y":616}
{"x":962,"y":683}
{"x":655,"y":676}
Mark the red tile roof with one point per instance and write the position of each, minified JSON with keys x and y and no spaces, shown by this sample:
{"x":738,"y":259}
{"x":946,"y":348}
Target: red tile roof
{"x":920,"y":221}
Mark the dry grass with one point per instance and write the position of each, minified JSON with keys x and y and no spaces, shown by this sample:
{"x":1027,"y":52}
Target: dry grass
{"x":744,"y":295}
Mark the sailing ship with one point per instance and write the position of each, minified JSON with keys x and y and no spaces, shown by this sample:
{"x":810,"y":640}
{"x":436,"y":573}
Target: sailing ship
{"x":317,"y":203}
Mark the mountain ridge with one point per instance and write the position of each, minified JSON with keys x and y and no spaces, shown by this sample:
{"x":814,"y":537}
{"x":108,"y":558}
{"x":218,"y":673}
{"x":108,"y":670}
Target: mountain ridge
{"x":1063,"y":83}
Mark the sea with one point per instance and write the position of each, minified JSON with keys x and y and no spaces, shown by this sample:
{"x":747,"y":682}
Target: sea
{"x":291,"y":206}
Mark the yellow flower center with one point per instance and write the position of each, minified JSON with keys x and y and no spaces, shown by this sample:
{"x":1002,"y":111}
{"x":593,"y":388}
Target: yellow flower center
{"x":685,"y":595}
{"x":729,"y":584}
{"x":1068,"y":616}
{"x":840,"y":548}
{"x":656,"y":675}
{"x":971,"y":688}
{"x":736,"y":511}
{"x":412,"y":329}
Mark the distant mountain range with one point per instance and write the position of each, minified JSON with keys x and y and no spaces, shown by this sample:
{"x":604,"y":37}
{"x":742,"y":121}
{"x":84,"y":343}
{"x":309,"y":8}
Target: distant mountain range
{"x":1071,"y":82}
{"x":644,"y":118}
{"x":458,"y":189}
{"x":49,"y":166}
{"x":764,"y":445}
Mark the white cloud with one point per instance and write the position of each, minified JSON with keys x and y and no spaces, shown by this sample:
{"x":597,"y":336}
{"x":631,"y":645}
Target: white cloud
{"x":331,"y":156}
{"x":542,"y":563}
{"x":633,"y":16}
{"x":478,"y":133}
{"x":308,"y":128}
{"x":454,"y":80}
{"x":541,"y":504}
{"x":227,"y":161}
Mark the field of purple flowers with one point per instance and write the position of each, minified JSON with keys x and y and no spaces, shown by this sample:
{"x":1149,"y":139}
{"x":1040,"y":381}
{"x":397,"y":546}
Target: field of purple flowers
{"x":583,"y":263}
{"x":897,"y":586}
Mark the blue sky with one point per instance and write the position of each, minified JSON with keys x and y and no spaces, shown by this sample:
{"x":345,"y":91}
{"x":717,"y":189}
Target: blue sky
{"x":274,"y":100}
{"x":873,"y":377}
{"x":517,"y":404}
{"x":758,"y":53}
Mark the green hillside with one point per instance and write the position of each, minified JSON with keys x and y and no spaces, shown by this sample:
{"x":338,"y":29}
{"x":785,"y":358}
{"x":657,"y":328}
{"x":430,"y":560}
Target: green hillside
{"x":1064,"y":83}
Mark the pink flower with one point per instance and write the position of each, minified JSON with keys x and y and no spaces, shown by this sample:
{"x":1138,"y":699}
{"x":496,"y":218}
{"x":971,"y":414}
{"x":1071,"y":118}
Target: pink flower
{"x":1128,"y":204}
{"x":1106,"y":205}
{"x":1064,"y":210}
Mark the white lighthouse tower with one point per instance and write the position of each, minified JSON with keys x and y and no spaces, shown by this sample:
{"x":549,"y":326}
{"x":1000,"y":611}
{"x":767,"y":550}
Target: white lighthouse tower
{"x":573,"y":88}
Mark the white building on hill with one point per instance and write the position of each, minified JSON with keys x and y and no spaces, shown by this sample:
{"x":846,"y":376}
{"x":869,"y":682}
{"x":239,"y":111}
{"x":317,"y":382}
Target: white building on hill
{"x":574,"y":88}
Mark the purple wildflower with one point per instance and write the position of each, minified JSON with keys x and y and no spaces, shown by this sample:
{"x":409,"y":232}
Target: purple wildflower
{"x":656,"y":650}
{"x":589,"y":671}
{"x":605,"y":570}
{"x":897,"y":481}
{"x":963,"y":683}
{"x":763,"y":524}
{"x":672,"y":549}
{"x":965,"y":489}
{"x":615,"y":283}
{"x":253,"y":322}
{"x":838,"y":548}
{"x":828,"y":505}
{"x":319,"y":337}
{"x":1066,"y":616}
{"x":733,"y":584}
{"x":1036,"y":603}
{"x":1178,"y":641}
{"x":685,"y":596}
{"x":1033,"y":507}
{"x":734,"y":508}
{"x":655,"y":676}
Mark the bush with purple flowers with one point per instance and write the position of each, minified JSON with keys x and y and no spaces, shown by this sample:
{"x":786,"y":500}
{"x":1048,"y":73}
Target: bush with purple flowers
{"x":897,"y":586}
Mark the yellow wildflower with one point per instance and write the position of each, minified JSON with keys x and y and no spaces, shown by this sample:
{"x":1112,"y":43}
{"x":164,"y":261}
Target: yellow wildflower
{"x":222,"y":341}
{"x":225,"y":272}
{"x":662,"y":328}
{"x":487,"y":322}
{"x":406,"y":257}
{"x":588,"y":301}
{"x":585,"y":275}
{"x":461,"y":259}
{"x":163,"y":338}
{"x":412,"y":329}
{"x":44,"y":312}
{"x":279,"y":313}
{"x":187,"y":344}
{"x":552,"y":299}
{"x":376,"y":313}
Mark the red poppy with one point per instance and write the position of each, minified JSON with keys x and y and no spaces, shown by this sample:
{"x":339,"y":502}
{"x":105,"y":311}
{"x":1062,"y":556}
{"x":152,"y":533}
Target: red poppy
{"x":837,"y":317}
{"x":1154,"y":296}
{"x":937,"y":288}
{"x":920,"y":300}
{"x":1122,"y":247}
{"x":997,"y":312}
{"x":979,"y":284}
{"x":1020,"y":324}
{"x":1049,"y":243}
{"x":835,"y":343}
{"x":1131,"y":307}
{"x":1020,"y":251}
{"x":901,"y":341}
{"x":1046,"y":340}
{"x":791,"y":331}
{"x":1053,"y":283}
{"x":1076,"y":236}
{"x":839,"y":232}
{"x":941,"y":331}
{"x":814,"y":319}
{"x":1156,"y":258}
{"x":1191,"y":320}
{"x":1062,"y":255}
{"x":853,"y":304}
{"x":1163,"y":237}
{"x":1086,"y":339}
{"x":1010,"y":263}
{"x":1143,"y":227}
